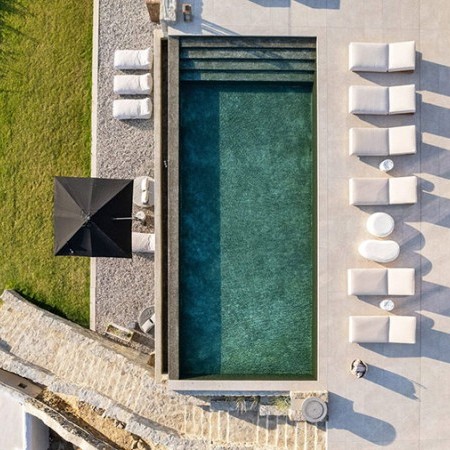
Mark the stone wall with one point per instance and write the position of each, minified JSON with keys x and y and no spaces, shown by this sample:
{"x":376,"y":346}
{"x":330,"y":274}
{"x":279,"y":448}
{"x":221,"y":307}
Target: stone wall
{"x":72,"y":361}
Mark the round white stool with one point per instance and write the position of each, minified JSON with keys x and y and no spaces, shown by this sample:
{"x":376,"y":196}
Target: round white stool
{"x":380,"y":224}
{"x":386,"y":165}
{"x":387,"y":304}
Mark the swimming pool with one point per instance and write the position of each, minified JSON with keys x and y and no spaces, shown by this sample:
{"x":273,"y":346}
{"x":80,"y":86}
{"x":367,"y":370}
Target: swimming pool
{"x":247,"y":303}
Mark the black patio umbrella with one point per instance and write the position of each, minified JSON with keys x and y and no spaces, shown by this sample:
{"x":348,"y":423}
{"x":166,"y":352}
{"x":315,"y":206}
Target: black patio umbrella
{"x":92,"y":217}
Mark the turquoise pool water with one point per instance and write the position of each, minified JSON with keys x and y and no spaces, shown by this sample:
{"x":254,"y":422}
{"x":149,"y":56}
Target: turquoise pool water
{"x":247,"y":230}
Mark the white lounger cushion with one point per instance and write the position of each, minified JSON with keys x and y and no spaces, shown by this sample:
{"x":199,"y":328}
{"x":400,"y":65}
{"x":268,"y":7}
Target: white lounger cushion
{"x":133,"y":59}
{"x":132,"y":109}
{"x":383,"y":141}
{"x":380,"y":100}
{"x":383,"y":191}
{"x":379,"y":251}
{"x":382,"y":329}
{"x":142,"y":242}
{"x":132,"y":84}
{"x":370,"y":57}
{"x":402,"y":56}
{"x":380,"y":281}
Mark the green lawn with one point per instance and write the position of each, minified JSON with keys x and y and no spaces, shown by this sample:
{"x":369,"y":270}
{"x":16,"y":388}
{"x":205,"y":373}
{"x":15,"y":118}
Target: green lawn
{"x":45,"y":79}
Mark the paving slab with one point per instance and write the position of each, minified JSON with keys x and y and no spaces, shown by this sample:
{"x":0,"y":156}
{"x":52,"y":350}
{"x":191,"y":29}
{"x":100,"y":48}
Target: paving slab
{"x":402,"y":402}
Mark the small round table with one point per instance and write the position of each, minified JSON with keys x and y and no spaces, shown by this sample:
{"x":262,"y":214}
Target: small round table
{"x":380,"y":224}
{"x":387,"y":304}
{"x":386,"y":165}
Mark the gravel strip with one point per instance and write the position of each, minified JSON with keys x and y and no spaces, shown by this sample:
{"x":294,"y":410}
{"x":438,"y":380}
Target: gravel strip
{"x":124,"y":150}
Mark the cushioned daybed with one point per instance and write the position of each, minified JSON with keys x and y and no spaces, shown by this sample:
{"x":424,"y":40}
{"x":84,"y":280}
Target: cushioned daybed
{"x":383,"y":191}
{"x":133,"y":59}
{"x":382,"y":329}
{"x":370,"y":57}
{"x":383,"y":141}
{"x":132,"y":84}
{"x":381,"y":100}
{"x":380,"y":281}
{"x":132,"y":109}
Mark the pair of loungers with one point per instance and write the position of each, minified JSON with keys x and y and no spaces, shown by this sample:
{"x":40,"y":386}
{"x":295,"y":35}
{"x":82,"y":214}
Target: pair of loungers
{"x":381,"y":100}
{"x":381,"y":329}
{"x":136,"y":60}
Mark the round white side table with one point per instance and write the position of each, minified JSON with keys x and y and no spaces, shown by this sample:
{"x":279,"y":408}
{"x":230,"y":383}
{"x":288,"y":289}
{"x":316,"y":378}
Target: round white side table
{"x":387,"y":304}
{"x":380,"y":224}
{"x":386,"y":165}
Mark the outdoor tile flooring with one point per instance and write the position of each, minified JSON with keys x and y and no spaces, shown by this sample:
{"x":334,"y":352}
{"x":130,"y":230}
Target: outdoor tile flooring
{"x":403,"y":401}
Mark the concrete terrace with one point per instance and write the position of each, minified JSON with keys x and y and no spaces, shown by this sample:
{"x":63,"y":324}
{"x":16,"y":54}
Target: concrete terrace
{"x":402,"y":403}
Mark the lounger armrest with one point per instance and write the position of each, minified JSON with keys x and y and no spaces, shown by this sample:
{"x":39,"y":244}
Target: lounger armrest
{"x":401,"y":281}
{"x":402,"y":99}
{"x":402,"y":56}
{"x":402,"y":190}
{"x":402,"y":140}
{"x":369,"y":329}
{"x":402,"y":330}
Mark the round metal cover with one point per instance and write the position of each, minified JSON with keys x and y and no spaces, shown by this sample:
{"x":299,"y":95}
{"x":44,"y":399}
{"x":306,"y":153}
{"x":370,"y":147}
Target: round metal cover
{"x":314,"y":410}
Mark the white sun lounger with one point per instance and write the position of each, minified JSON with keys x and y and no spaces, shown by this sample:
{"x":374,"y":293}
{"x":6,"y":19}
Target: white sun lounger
{"x":381,"y":100}
{"x":380,"y":281}
{"x":382,"y":329}
{"x":379,"y":251}
{"x":369,"y":57}
{"x":132,"y":109}
{"x":133,"y":59}
{"x":142,"y":242}
{"x":383,"y":141}
{"x":132,"y":84}
{"x":383,"y":191}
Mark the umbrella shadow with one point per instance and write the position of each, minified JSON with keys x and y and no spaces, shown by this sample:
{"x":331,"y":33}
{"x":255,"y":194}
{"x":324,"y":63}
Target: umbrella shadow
{"x":370,"y":428}
{"x":392,"y":381}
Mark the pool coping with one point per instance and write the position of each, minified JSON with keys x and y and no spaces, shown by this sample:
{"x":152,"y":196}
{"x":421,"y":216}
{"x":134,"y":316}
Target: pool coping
{"x":219,"y":385}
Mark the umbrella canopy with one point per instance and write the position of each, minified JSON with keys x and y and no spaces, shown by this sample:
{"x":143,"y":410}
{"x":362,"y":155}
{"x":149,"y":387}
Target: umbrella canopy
{"x":92,"y":217}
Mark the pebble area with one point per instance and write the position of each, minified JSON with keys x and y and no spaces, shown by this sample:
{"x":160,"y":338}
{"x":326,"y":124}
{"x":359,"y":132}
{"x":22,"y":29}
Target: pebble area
{"x":121,"y":288}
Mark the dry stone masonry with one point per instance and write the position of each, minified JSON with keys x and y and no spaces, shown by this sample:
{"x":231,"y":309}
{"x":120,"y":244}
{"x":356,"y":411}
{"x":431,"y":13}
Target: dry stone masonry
{"x":72,"y":361}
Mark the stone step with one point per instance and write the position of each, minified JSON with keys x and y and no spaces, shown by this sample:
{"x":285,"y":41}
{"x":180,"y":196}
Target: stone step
{"x":267,"y":76}
{"x":246,"y":65}
{"x":248,"y":54}
{"x":214,"y":42}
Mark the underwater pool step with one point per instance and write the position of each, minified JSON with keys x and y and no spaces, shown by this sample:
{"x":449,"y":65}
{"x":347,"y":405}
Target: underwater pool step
{"x":243,"y":64}
{"x":263,"y":42}
{"x":248,"y":76}
{"x":248,"y":53}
